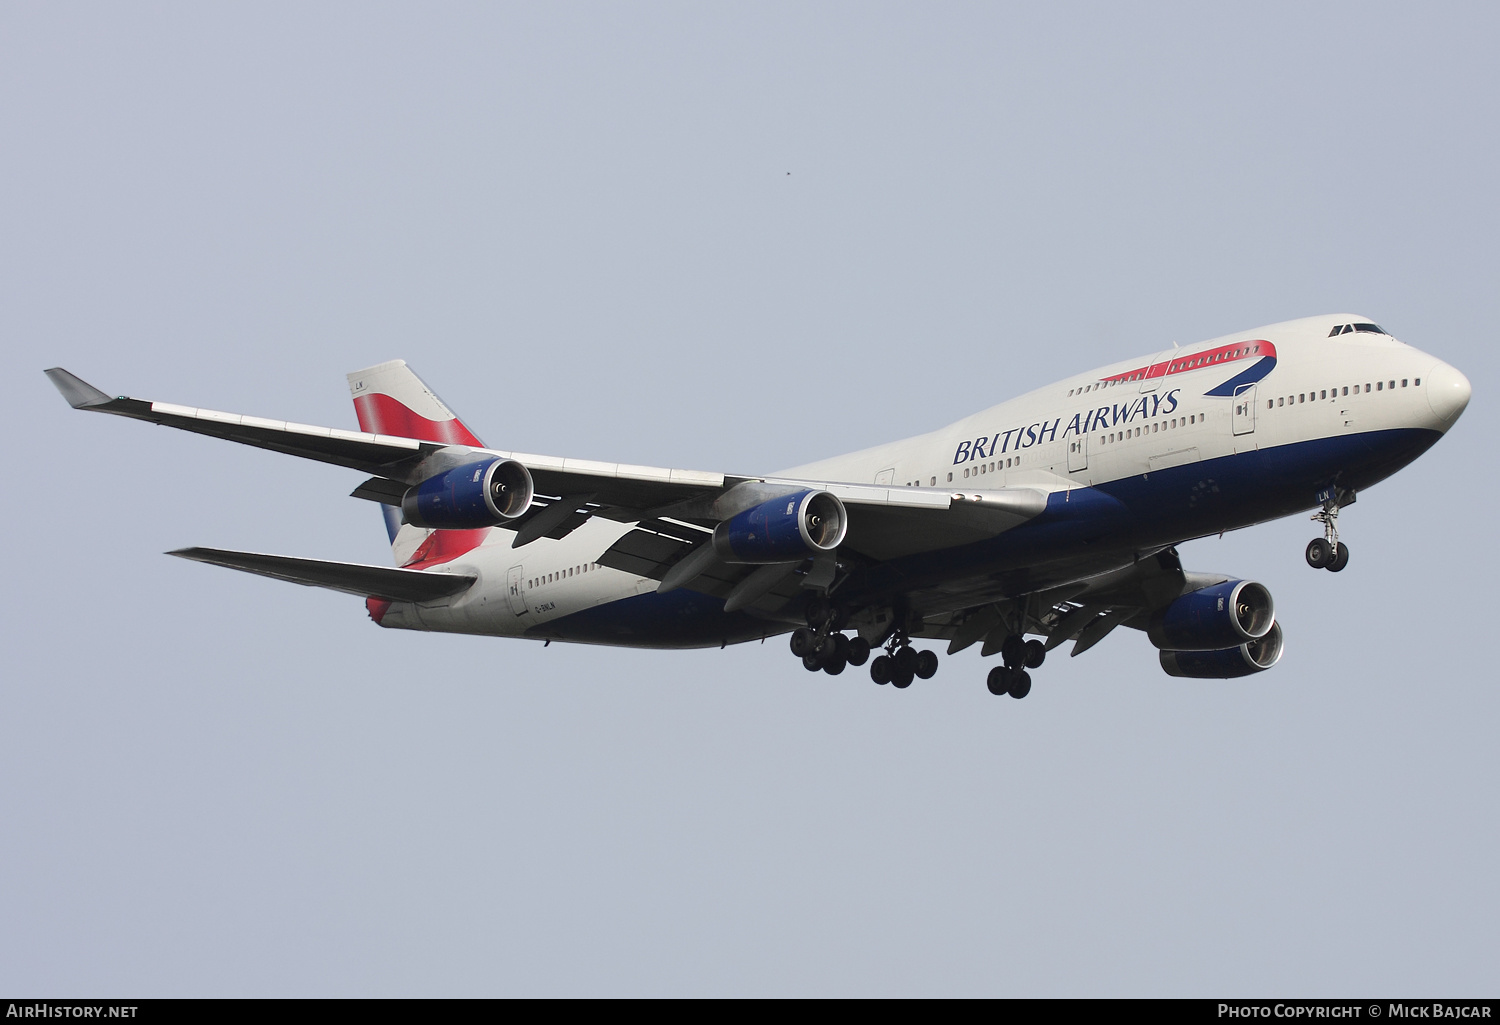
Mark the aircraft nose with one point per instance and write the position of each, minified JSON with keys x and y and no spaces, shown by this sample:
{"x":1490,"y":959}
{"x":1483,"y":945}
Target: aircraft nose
{"x":1447,"y":392}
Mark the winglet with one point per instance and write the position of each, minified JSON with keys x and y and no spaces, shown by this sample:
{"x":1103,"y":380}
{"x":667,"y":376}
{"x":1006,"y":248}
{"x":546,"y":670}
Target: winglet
{"x":79,"y":393}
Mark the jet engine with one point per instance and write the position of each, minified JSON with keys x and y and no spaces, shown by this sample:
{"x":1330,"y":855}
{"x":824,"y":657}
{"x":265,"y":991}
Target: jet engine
{"x":1227,"y":663}
{"x":481,"y":494}
{"x":783,"y":529}
{"x":1214,"y":618}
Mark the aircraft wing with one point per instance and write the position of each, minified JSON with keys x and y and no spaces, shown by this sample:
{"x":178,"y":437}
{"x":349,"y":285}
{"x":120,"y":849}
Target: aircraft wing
{"x":395,"y":458}
{"x":884,"y":522}
{"x":404,"y":460}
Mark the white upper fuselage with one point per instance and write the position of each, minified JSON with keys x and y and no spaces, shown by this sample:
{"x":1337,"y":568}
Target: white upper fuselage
{"x":1122,"y":421}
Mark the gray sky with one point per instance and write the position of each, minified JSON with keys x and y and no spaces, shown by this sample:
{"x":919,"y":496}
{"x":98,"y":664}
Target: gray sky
{"x":731,"y":238}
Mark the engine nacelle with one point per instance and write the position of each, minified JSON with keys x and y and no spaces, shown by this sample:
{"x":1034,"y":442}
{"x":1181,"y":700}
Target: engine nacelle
{"x":783,"y":529}
{"x":1215,"y":618}
{"x":1227,"y":663}
{"x":481,"y":494}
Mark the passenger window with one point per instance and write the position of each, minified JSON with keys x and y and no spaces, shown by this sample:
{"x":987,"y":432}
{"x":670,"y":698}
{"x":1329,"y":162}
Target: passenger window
{"x":1379,"y":385}
{"x":933,"y":483}
{"x":1403,"y":382}
{"x":950,"y":478}
{"x":966,"y":471}
{"x":1346,"y":389}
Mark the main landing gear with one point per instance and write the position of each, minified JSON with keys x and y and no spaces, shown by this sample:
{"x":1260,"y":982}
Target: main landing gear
{"x":1328,"y":552}
{"x":902,"y":664}
{"x":1018,"y":656}
{"x":821,"y":645}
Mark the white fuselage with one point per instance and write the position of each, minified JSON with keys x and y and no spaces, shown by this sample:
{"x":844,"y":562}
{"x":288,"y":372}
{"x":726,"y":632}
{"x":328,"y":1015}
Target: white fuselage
{"x":1123,"y":421}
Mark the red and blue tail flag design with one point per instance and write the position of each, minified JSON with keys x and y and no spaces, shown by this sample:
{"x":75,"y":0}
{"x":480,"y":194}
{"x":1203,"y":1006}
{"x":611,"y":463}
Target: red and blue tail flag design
{"x":391,"y":399}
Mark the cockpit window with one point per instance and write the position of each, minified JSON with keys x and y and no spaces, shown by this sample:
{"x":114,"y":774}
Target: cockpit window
{"x":1373,"y":328}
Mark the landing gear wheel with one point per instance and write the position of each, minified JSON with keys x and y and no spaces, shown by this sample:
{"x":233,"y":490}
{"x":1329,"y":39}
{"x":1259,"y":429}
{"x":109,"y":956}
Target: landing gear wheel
{"x":859,"y":651}
{"x":802,"y":641}
{"x":998,"y":681}
{"x":1020,"y":683}
{"x":1013,"y":651}
{"x":1340,"y":557}
{"x":1036,"y":654}
{"x":1319,"y":553}
{"x":835,"y":666}
{"x":902,"y":678}
{"x":927,"y":663}
{"x":906,"y":661}
{"x":881,"y":669}
{"x":812,"y":663}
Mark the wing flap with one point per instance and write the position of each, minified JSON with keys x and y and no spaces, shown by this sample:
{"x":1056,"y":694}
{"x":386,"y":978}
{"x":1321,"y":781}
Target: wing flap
{"x":349,"y":577}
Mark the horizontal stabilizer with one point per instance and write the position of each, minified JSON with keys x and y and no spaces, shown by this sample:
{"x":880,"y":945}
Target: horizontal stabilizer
{"x":350,"y":577}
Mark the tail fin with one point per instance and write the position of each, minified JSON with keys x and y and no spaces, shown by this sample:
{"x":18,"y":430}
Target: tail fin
{"x":390,"y":399}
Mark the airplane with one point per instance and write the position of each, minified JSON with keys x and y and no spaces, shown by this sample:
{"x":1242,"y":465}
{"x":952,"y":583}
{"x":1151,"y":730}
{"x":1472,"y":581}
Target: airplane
{"x":1049,"y":518}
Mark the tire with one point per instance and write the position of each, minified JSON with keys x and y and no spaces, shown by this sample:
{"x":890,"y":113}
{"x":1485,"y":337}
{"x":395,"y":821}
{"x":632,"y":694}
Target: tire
{"x":1340,"y":558}
{"x":1020,"y":684}
{"x":998,"y":681}
{"x":881,"y":669}
{"x":1036,"y":654}
{"x":1319,"y":553}
{"x":906,"y":660}
{"x":802,"y":641}
{"x":859,"y":651}
{"x":835,"y":666}
{"x":841,"y":647}
{"x":812,"y":663}
{"x":1013,"y":651}
{"x":927,"y":664}
{"x":902,"y":678}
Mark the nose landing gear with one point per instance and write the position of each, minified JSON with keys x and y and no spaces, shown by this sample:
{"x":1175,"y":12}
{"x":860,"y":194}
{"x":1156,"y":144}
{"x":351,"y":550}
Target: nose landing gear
{"x":1328,"y":552}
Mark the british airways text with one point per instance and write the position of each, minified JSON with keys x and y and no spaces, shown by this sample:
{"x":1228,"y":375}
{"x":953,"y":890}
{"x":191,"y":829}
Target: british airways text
{"x":1018,"y":438}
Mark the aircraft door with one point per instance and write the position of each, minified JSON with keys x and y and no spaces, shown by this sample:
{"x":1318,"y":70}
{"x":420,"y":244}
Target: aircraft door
{"x":886,"y":476}
{"x":1244,"y":409}
{"x":1156,"y":372}
{"x":1078,"y":453}
{"x":515,"y":590}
